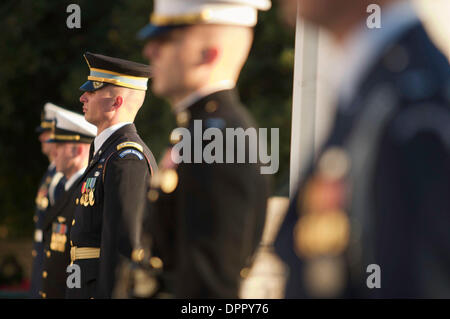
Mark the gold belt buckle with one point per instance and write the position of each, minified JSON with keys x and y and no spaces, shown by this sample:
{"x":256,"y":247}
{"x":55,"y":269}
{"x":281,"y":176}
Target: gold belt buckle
{"x":84,"y":253}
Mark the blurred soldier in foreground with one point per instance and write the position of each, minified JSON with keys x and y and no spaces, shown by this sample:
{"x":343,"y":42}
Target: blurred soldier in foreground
{"x":106,"y":227}
{"x":72,"y":136}
{"x":52,"y":183}
{"x":206,"y":219}
{"x":371,"y":217}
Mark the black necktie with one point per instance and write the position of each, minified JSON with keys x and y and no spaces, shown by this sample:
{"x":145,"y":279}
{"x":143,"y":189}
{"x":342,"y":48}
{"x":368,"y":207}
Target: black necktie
{"x":91,"y":151}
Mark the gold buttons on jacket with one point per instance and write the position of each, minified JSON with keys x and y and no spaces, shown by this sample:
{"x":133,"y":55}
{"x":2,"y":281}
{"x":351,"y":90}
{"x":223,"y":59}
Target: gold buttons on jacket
{"x":156,"y":262}
{"x":211,"y":106}
{"x":73,"y":222}
{"x":42,"y":203}
{"x":175,"y":136}
{"x":137,"y":255}
{"x":183,"y":118}
{"x":169,"y":180}
{"x":244,"y":272}
{"x":153,"y":195}
{"x":44,"y":274}
{"x":48,"y":253}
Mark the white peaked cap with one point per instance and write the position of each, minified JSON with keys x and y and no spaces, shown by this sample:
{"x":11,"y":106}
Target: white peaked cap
{"x":51,"y":109}
{"x":233,"y":12}
{"x":74,"y":122}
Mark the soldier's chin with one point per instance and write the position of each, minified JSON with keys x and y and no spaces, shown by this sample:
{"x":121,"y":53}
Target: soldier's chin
{"x":45,"y":149}
{"x":316,"y":11}
{"x":87,"y":117}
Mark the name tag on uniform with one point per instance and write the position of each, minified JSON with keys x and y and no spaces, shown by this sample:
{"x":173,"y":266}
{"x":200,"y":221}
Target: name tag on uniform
{"x":38,"y":235}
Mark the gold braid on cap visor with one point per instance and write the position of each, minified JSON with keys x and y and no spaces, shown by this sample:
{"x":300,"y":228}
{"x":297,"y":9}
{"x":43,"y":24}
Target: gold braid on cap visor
{"x":132,"y":82}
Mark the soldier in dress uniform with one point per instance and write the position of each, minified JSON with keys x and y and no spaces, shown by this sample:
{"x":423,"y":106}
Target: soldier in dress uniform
{"x":49,"y":189}
{"x":111,"y":192}
{"x":72,"y":136}
{"x":371,"y":216}
{"x":206,"y":218}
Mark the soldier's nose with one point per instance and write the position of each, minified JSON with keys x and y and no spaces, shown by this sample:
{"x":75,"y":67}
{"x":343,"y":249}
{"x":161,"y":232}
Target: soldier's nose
{"x":83,"y":98}
{"x":150,"y":50}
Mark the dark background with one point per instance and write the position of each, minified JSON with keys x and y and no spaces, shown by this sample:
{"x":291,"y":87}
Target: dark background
{"x":41,"y":60}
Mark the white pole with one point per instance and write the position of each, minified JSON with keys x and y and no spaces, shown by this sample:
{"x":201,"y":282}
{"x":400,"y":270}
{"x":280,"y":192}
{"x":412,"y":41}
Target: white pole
{"x":304,"y":100}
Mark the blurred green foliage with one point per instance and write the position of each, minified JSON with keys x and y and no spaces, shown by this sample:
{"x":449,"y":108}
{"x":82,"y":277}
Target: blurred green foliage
{"x":41,"y":60}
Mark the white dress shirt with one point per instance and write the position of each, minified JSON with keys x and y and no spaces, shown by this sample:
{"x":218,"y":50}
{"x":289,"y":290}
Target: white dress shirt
{"x":103,"y":136}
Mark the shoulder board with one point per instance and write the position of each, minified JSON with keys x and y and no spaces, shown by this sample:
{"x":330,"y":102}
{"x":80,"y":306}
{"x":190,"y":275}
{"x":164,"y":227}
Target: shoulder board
{"x":130,"y":144}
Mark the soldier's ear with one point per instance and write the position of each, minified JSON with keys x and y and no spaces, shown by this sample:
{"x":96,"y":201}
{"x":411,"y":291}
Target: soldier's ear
{"x":75,"y":149}
{"x":118,"y":101}
{"x":210,"y":55}
{"x":78,"y":149}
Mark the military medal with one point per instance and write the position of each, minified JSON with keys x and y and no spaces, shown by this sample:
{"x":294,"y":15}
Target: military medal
{"x":87,"y":192}
{"x":324,"y":233}
{"x":91,"y":197}
{"x":83,"y":190}
{"x":41,"y":199}
{"x":59,"y":237}
{"x":323,"y":228}
{"x":85,"y":200}
{"x":44,"y":202}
